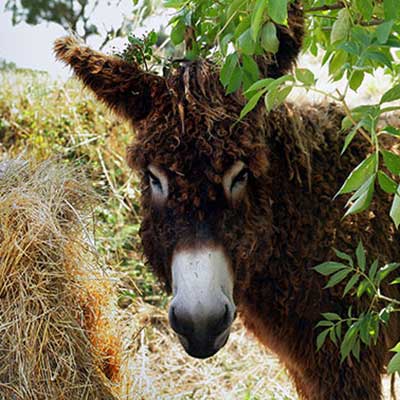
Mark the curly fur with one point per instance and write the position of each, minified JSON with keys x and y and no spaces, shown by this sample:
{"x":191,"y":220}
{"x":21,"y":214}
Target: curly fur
{"x":287,"y":221}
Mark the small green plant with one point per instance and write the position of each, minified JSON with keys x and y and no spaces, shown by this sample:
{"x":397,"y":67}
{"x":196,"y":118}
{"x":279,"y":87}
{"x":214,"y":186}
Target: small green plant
{"x":363,"y":280}
{"x":140,"y":50}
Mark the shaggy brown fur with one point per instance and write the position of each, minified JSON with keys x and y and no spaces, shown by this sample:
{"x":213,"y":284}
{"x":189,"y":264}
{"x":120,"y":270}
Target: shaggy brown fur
{"x":284,"y":225}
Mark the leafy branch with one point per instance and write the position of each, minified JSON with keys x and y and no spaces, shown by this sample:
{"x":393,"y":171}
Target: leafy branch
{"x":362,"y":280}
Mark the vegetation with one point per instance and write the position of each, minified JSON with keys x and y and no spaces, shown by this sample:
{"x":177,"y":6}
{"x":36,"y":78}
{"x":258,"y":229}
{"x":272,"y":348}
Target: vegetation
{"x":46,"y":119}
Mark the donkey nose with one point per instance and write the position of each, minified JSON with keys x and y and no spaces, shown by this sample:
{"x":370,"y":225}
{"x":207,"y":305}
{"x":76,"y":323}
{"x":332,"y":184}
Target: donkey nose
{"x":214,"y":322}
{"x":202,"y":331}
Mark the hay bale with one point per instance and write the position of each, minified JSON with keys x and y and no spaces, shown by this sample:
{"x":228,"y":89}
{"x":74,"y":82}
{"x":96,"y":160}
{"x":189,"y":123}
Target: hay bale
{"x":55,"y":341}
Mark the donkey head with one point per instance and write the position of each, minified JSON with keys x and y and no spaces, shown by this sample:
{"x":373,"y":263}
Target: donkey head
{"x":203,"y":176}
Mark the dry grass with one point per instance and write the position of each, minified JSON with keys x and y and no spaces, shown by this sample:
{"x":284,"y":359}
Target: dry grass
{"x":158,"y":368}
{"x":50,"y":296}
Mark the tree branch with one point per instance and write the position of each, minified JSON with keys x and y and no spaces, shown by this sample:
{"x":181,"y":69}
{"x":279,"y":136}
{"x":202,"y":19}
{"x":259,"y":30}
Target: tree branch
{"x":336,"y":6}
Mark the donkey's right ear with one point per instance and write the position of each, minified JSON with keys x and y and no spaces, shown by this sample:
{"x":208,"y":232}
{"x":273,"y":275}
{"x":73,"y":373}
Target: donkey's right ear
{"x":124,"y":87}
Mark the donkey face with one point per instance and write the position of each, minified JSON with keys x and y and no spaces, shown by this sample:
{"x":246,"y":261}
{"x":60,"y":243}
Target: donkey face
{"x":203,"y":178}
{"x":197,"y":177}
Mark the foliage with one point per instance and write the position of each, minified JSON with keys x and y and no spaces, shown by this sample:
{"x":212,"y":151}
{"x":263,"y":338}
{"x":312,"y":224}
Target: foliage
{"x":363,"y":279}
{"x":7,"y":65}
{"x":140,"y":51}
{"x":45,"y":119}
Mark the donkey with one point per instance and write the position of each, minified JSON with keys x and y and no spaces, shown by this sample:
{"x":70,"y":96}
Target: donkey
{"x":236,"y":215}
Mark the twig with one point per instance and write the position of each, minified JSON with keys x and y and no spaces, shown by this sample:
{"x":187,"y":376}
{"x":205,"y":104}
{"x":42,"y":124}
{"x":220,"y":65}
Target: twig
{"x":336,"y":6}
{"x":373,"y":22}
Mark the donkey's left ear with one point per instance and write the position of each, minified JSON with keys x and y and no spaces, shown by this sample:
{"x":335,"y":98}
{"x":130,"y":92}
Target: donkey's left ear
{"x":124,"y":87}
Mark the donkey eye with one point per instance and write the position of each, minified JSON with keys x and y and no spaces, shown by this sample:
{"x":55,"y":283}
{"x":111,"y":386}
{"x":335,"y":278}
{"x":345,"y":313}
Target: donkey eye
{"x":240,"y":179}
{"x":155,"y":182}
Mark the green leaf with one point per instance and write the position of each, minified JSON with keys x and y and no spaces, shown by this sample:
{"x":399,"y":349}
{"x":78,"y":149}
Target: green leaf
{"x":394,"y":364}
{"x":386,"y":270}
{"x":331,"y":316}
{"x":396,"y":281}
{"x":364,"y":329}
{"x":270,"y":97}
{"x":362,"y":287}
{"x":332,"y":335}
{"x":348,"y":139}
{"x":251,"y":67}
{"x":356,"y":349}
{"x":329,"y":267}
{"x":356,"y":79}
{"x":383,"y":31}
{"x":228,"y":68}
{"x":372,"y":270}
{"x":305,"y":76}
{"x":347,"y":123}
{"x":269,"y":39}
{"x":359,"y":175}
{"x":350,"y":47}
{"x":391,"y":95}
{"x":324,"y":324}
{"x":337,"y":62}
{"x":386,"y":183}
{"x":246,"y":43}
{"x":338,"y":330}
{"x":337,"y":278}
{"x":391,"y":131}
{"x":344,"y":256}
{"x":225,"y":42}
{"x":242,"y":27}
{"x":251,"y":104}
{"x":395,"y":210}
{"x":384,"y":314}
{"x":365,"y":8}
{"x":362,"y":198}
{"x":349,"y":341}
{"x":350,"y":284}
{"x":257,"y":17}
{"x":391,"y":9}
{"x":277,"y":10}
{"x":178,"y":33}
{"x":379,"y":57}
{"x":360,"y":253}
{"x":396,"y":348}
{"x":261,"y":84}
{"x":234,"y":7}
{"x":282,"y":95}
{"x":392,"y":161}
{"x":341,"y":27}
{"x":235,"y":81}
{"x":276,"y":96}
{"x":321,"y":338}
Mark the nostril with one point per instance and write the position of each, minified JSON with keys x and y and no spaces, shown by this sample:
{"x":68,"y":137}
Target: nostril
{"x":225,"y":321}
{"x":172,"y":318}
{"x":179,"y":324}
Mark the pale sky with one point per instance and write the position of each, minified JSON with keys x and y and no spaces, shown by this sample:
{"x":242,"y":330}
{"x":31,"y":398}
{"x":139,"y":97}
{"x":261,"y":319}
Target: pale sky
{"x":31,"y":46}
